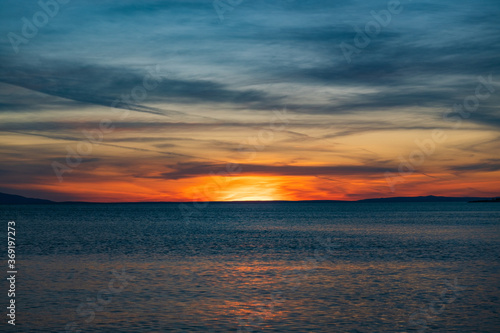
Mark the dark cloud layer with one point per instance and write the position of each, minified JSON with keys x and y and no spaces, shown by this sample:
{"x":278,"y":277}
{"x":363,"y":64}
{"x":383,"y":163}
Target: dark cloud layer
{"x":186,"y":170}
{"x":106,"y":86}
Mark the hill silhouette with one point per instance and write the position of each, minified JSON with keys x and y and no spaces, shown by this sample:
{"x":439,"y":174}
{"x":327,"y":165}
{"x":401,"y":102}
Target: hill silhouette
{"x":11,"y":199}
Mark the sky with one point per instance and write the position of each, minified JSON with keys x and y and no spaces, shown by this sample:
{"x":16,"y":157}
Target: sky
{"x":229,"y":100}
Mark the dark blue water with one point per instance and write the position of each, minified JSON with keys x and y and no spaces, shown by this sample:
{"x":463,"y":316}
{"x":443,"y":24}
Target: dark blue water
{"x":257,"y":267}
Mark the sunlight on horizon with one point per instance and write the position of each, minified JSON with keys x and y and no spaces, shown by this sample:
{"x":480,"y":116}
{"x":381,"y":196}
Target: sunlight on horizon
{"x":252,"y":189}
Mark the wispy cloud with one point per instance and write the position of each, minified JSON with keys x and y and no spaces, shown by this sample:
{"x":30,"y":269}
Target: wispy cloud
{"x":222,"y":81}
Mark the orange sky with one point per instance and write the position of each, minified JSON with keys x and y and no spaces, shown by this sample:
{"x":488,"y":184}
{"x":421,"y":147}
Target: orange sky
{"x":297,"y":158}
{"x":276,"y":101}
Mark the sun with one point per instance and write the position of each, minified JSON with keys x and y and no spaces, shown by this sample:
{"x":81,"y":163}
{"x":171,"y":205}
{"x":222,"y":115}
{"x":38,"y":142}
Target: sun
{"x":240,"y":197}
{"x":251,"y":189}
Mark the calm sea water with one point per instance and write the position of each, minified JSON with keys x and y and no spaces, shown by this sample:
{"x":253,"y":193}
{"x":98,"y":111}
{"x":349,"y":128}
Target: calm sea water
{"x":256,"y":267}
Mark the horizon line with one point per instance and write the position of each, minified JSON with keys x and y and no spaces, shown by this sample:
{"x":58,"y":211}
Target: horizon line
{"x":465,"y":198}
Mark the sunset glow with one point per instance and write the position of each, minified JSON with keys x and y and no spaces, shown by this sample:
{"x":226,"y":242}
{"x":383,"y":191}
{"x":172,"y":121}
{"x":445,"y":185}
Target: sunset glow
{"x":204,"y":110}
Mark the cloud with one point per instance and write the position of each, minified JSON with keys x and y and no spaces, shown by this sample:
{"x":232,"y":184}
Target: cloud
{"x":489,"y":119}
{"x":488,"y":165}
{"x":194,"y":169}
{"x":106,"y":85}
{"x":220,"y":80}
{"x":407,"y":64}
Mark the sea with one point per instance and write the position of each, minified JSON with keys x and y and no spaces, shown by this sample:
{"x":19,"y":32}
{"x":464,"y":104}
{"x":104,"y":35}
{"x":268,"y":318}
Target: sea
{"x":253,"y":267}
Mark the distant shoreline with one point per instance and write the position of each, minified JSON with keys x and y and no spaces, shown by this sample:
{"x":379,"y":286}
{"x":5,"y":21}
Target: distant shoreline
{"x":486,"y":200}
